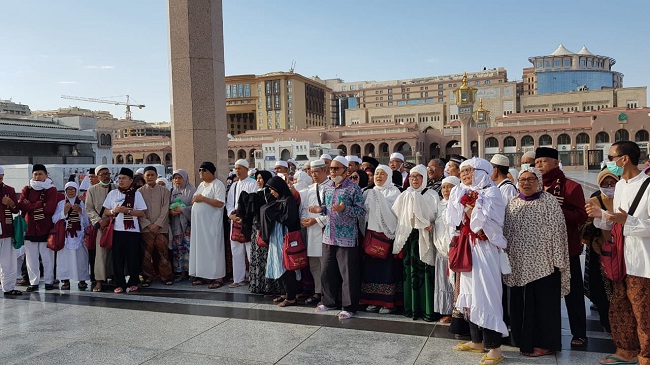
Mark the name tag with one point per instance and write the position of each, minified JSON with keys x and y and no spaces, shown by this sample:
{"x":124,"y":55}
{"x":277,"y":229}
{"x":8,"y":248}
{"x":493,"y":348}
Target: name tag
{"x":293,"y":243}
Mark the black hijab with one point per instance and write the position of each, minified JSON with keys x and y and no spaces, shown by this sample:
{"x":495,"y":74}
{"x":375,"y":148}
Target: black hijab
{"x":284,"y":209}
{"x":266,"y":175}
{"x":249,"y":204}
{"x":363,"y":178}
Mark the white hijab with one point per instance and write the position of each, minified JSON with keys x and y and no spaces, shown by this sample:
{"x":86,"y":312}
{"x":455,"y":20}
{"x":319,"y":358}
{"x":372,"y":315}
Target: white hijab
{"x":480,"y":180}
{"x":378,"y":202}
{"x":302,"y":180}
{"x":416,"y":211}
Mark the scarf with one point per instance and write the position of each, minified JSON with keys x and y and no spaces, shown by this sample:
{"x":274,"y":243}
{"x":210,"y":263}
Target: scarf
{"x":42,"y":186}
{"x":74,"y":220}
{"x":414,"y":211}
{"x":8,"y":217}
{"x":129,"y":200}
{"x":554,"y":184}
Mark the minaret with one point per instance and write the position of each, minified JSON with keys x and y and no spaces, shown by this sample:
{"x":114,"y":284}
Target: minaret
{"x":465,"y":98}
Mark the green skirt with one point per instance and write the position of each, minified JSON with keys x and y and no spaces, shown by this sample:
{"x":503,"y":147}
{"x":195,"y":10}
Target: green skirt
{"x":419,"y":281}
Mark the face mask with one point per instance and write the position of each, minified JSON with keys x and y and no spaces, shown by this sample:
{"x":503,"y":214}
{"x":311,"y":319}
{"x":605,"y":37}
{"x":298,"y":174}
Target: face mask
{"x":614,"y":169}
{"x":525,"y":166}
{"x":338,"y":179}
{"x":608,"y":192}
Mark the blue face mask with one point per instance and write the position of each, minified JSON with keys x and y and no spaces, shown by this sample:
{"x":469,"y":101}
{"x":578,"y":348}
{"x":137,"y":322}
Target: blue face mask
{"x":525,"y":166}
{"x":614,"y":168}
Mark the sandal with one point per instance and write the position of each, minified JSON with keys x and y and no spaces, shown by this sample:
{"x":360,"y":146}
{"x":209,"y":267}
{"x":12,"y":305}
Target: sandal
{"x":65,"y":285}
{"x":82,"y":285}
{"x":579,"y":342}
{"x":146,"y":284}
{"x":537,"y":352}
{"x":345,"y":315}
{"x":236,"y":285}
{"x":445,"y":320}
{"x":314,"y":299}
{"x":132,"y":289}
{"x":323,"y":308}
{"x":199,"y":282}
{"x":490,"y":360}
{"x":287,"y":303}
{"x":464,"y":347}
{"x":616,"y":360}
{"x":97,"y":287}
{"x":168,"y":282}
{"x":279,"y":299}
{"x":117,"y":290}
{"x":215,"y":285}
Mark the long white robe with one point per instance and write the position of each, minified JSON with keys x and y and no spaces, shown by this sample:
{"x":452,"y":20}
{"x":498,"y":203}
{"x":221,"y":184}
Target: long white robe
{"x":207,"y":250}
{"x":308,"y":198}
{"x":481,"y":289}
{"x":72,"y":260}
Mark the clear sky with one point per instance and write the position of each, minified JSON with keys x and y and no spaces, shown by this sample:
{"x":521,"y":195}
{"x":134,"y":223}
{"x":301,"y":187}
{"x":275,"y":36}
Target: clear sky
{"x":112,"y":48}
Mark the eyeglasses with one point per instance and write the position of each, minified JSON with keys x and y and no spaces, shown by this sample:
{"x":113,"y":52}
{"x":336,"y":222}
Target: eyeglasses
{"x":415,"y":176}
{"x":611,"y":158}
{"x":608,"y":185}
{"x":530,"y":180}
{"x":354,"y":177}
{"x":466,"y":170}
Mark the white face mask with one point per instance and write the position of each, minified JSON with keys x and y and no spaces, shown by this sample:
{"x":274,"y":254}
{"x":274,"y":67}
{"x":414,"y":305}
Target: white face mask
{"x":338,"y":179}
{"x":525,"y":166}
{"x":608,"y":192}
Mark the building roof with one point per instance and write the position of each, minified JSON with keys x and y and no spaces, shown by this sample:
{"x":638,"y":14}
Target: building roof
{"x":47,"y":137}
{"x":585,"y":51}
{"x":561,"y":51}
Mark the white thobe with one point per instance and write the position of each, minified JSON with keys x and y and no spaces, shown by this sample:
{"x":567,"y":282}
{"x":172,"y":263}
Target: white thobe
{"x":207,"y":251}
{"x":239,"y":250}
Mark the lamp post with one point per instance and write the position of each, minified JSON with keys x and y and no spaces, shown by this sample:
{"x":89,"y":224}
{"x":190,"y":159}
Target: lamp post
{"x":417,"y":157}
{"x":465,"y":97}
{"x":482,"y":118}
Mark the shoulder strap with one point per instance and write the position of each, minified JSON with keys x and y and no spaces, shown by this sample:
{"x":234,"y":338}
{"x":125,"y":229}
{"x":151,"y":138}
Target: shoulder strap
{"x":424,"y":191}
{"x":601,"y":202}
{"x":638,"y":196}
{"x":320,"y":203}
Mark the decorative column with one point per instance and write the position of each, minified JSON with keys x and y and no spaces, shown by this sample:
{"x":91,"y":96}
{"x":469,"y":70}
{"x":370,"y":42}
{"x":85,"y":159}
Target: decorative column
{"x":199,"y":129}
{"x":465,"y":98}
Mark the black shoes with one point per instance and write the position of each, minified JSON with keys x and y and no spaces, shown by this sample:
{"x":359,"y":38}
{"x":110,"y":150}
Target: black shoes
{"x":31,"y":288}
{"x":13,"y":293}
{"x":49,"y":286}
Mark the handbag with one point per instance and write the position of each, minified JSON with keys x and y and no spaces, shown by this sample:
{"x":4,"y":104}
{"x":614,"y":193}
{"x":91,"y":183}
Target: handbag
{"x":504,"y":261}
{"x":236,"y":233}
{"x":612,"y":255}
{"x":56,"y":237}
{"x":376,"y":244}
{"x":294,"y":251}
{"x":259,"y":241}
{"x":90,"y":237}
{"x":20,"y":227}
{"x":106,"y":241}
{"x":460,"y":251}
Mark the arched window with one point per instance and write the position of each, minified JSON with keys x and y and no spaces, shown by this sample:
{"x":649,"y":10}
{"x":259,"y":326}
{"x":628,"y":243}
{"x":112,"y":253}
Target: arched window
{"x":582,"y":138}
{"x":527,"y":141}
{"x":602,"y":137}
{"x":491,"y":142}
{"x":563,"y":139}
{"x":641,"y":136}
{"x":509,"y":142}
{"x":545,"y":140}
{"x":621,"y":135}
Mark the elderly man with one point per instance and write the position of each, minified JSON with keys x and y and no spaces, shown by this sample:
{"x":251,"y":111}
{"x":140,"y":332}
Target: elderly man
{"x":435,"y":174}
{"x":572,"y":199}
{"x":103,"y":258}
{"x":327,"y":158}
{"x":453,"y":166}
{"x":38,"y":202}
{"x":314,"y":223}
{"x":630,"y":319}
{"x":500,"y":165}
{"x":343,"y":206}
{"x":155,"y":226}
{"x":8,"y":264}
{"x":240,"y":250}
{"x":368,"y":162}
{"x":281,"y":167}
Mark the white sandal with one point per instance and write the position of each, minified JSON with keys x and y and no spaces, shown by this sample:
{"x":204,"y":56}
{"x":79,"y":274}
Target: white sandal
{"x":323,"y":308}
{"x":345,"y":315}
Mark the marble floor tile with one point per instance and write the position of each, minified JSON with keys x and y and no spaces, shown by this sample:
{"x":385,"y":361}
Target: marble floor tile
{"x":344,"y":346}
{"x":174,"y":357}
{"x":16,"y":347}
{"x":249,"y":340}
{"x":85,"y":352}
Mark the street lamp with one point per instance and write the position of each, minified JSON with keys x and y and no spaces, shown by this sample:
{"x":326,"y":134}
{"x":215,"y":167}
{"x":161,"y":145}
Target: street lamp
{"x":417,"y":157}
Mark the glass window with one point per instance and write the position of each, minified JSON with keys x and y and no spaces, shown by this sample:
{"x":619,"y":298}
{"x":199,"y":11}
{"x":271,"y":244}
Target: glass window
{"x":582,"y":63}
{"x":351,"y":87}
{"x":288,"y":82}
{"x":344,"y":88}
{"x":539,"y":64}
{"x":289,"y":89}
{"x":268,"y":87}
{"x":557,"y":63}
{"x":567,"y":63}
{"x":227,"y":91}
{"x":547,"y":63}
{"x":440,"y":86}
{"x":440,"y":99}
{"x":247,"y":90}
{"x":277,"y":101}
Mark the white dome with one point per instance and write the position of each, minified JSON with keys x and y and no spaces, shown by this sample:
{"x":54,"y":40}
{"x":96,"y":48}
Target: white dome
{"x":561,"y":51}
{"x":585,"y":51}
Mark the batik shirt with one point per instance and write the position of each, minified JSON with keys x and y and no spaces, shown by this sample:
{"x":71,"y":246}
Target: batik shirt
{"x":342,"y":228}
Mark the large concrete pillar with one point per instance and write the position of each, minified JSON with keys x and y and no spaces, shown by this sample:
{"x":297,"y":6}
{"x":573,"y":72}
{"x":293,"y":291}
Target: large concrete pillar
{"x":198,"y":97}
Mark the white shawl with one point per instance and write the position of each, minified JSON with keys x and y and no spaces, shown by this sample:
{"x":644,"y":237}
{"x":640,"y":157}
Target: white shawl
{"x":418,"y":211}
{"x":378,"y":203}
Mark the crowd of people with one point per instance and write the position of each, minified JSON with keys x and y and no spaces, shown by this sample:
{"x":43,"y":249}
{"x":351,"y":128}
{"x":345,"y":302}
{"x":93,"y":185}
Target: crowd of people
{"x":488,"y":249}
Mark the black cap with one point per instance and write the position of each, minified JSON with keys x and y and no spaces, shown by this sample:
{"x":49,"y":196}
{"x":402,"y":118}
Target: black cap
{"x":371,"y":160}
{"x":457,"y":159}
{"x":209,"y":166}
{"x":39,"y":167}
{"x":127,"y":172}
{"x":151,"y":168}
{"x":546,"y":152}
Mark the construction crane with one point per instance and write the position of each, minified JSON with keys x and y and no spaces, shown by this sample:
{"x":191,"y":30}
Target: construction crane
{"x":107,"y":101}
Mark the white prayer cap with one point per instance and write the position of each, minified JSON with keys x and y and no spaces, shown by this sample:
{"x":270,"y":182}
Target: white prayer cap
{"x":353,"y":158}
{"x":529,"y":154}
{"x":100,"y":168}
{"x":341,"y":160}
{"x":140,"y":171}
{"x":71,"y":184}
{"x":292,"y":161}
{"x":451,"y":180}
{"x":397,"y":155}
{"x":241,"y":162}
{"x":2,"y":171}
{"x":500,"y":160}
{"x":281,"y":163}
{"x":317,"y":164}
{"x":306,"y":164}
{"x":326,"y":156}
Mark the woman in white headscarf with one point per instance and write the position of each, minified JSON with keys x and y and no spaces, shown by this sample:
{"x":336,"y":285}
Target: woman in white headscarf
{"x":72,"y":260}
{"x":443,"y":300}
{"x":381,"y":279}
{"x":477,"y":208}
{"x":416,"y":210}
{"x":301,"y":180}
{"x":180,"y":214}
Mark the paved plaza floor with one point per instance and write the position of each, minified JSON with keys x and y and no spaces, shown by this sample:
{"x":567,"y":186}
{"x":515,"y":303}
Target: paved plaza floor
{"x":182,"y":324}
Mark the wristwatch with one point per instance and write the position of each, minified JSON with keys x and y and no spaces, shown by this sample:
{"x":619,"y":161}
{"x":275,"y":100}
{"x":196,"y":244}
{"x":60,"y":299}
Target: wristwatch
{"x":128,"y":212}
